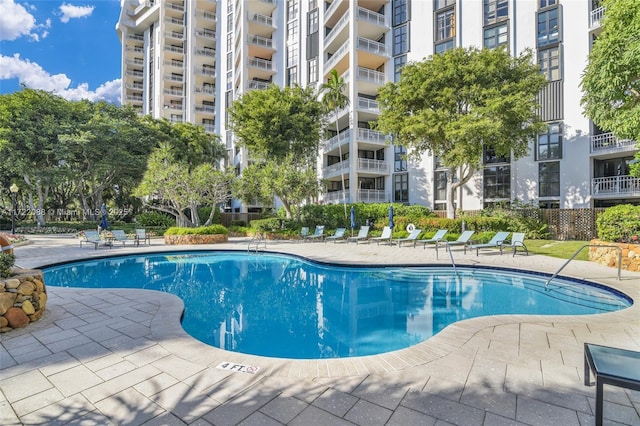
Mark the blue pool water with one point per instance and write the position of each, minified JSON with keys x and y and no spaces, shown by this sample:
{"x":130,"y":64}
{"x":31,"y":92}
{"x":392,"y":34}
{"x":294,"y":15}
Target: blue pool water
{"x":284,"y":306}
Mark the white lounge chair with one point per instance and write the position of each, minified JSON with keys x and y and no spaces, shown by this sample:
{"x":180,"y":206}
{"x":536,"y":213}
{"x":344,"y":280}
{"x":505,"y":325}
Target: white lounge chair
{"x":91,"y":237}
{"x":496,"y":242}
{"x":142,"y":237}
{"x":385,"y":237}
{"x":363,"y":234}
{"x":339,"y":235}
{"x":121,"y":237}
{"x":436,"y":239}
{"x":413,"y":237}
{"x":318,"y":233}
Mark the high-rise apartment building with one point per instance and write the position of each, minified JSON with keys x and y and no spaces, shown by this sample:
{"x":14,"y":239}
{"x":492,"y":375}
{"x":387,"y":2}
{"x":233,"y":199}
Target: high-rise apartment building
{"x":187,"y":60}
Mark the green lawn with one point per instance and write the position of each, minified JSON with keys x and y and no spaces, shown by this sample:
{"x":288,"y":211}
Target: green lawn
{"x":560,"y":249}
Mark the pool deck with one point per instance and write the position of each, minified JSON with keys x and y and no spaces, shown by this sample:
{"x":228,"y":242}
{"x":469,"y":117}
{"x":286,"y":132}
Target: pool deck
{"x":120,"y":357}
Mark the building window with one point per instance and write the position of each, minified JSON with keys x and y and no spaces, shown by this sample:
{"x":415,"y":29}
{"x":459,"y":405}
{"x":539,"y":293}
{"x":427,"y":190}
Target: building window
{"x":313,"y":22}
{"x":398,"y":63}
{"x":440,"y":186}
{"x":313,"y":70}
{"x":495,"y":11}
{"x":400,"y":11}
{"x":292,"y":54}
{"x":401,"y":188}
{"x":549,"y":179}
{"x":445,"y":28}
{"x":400,"y":153}
{"x":292,"y":31}
{"x":548,"y":27}
{"x":495,"y":36}
{"x":549,"y":204}
{"x":490,"y":156}
{"x":497,"y":182}
{"x":549,"y":61}
{"x":292,"y":9}
{"x":292,"y":76}
{"x":401,"y":39}
{"x":547,"y":3}
{"x":549,"y":146}
{"x":439,"y":4}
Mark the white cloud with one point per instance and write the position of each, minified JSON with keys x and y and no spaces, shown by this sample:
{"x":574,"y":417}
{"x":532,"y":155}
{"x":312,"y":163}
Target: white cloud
{"x":70,"y":11}
{"x":15,"y":21}
{"x":34,"y":76}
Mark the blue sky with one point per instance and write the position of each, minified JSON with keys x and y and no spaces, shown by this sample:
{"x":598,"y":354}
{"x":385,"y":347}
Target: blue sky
{"x":67,"y":47}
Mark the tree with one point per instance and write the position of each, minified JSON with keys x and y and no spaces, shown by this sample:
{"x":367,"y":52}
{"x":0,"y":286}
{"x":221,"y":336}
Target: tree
{"x":454,"y":104}
{"x":170,"y":186}
{"x":611,"y":81}
{"x":280,"y":128}
{"x":334,"y":99}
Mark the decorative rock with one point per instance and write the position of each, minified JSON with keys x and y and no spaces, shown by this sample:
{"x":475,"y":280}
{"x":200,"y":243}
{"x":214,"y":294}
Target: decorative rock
{"x":42,"y":300}
{"x":26,"y":288}
{"x":6,"y":301}
{"x":39,"y":285}
{"x":16,"y":318}
{"x":3,"y":322}
{"x":12,"y":283}
{"x":28,"y":308}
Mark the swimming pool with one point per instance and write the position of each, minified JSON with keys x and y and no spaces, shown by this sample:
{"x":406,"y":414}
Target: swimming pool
{"x":284,"y":306}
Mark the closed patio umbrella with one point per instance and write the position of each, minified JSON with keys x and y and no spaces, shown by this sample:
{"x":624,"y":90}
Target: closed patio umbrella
{"x":391,"y":224}
{"x":353,"y":219}
{"x":104,"y":223}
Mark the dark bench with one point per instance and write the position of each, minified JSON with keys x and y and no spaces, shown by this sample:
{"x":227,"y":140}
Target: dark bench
{"x":610,"y":366}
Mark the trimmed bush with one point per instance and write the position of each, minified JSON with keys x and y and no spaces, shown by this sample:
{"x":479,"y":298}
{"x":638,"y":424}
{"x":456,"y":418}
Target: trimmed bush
{"x":158,"y":219}
{"x":6,"y":263}
{"x":619,"y":224}
{"x":202,"y":230}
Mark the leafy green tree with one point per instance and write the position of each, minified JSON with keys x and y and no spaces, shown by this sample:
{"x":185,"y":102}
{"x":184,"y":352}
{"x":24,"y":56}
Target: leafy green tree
{"x":611,"y":81}
{"x":454,"y":104}
{"x":170,"y":186}
{"x":280,"y":128}
{"x":334,"y":99}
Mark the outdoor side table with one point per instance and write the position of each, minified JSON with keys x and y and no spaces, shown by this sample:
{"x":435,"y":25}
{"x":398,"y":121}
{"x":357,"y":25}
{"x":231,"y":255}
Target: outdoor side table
{"x":610,"y":366}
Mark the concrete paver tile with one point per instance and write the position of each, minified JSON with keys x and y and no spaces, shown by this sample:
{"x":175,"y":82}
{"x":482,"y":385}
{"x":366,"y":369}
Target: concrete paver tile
{"x":147,"y":355}
{"x":283,"y":408}
{"x":115,"y":370}
{"x":129,"y":407}
{"x":314,"y":416}
{"x":444,"y":409}
{"x":37,"y":401}
{"x":156,"y":384}
{"x":490,"y":400}
{"x":366,"y":414}
{"x":120,"y":383}
{"x":63,"y":412}
{"x":7,"y":416}
{"x":259,"y":419}
{"x":237,"y":409}
{"x":75,"y":380}
{"x":178,"y":367}
{"x":336,"y":402}
{"x":24,"y":385}
{"x":184,"y":402}
{"x":63,"y":345}
{"x":404,"y":416}
{"x":536,"y":412}
{"x":165,"y":419}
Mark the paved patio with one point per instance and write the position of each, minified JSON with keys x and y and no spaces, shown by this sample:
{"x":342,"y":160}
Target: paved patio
{"x":120,"y":357}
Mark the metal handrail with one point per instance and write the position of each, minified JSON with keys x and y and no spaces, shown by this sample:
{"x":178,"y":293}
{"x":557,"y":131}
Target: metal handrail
{"x":546,"y":285}
{"x":256,"y":241}
{"x":453,"y":263}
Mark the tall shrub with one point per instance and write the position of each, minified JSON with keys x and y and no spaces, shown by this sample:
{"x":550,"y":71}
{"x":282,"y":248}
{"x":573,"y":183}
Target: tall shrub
{"x":619,"y":223}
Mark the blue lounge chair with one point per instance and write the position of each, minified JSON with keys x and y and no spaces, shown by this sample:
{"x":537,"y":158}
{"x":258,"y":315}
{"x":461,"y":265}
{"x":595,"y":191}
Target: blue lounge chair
{"x":318,"y":234}
{"x":339,"y":235}
{"x":385,"y":237}
{"x":497,"y":241}
{"x":304,"y":232}
{"x":91,"y":237}
{"x":120,"y":236}
{"x":517,"y":241}
{"x":413,"y":236}
{"x":142,"y":237}
{"x":463,"y":240}
{"x":436,"y":239}
{"x":363,"y":234}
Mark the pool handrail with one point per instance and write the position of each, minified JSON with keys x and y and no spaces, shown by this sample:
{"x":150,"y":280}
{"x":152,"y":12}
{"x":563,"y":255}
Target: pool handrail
{"x":453,"y":263}
{"x":546,"y":285}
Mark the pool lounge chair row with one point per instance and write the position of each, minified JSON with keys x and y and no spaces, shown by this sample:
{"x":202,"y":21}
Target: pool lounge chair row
{"x":499,"y":240}
{"x":117,"y":236}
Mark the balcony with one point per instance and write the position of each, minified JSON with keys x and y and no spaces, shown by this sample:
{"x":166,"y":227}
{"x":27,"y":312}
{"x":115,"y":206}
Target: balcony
{"x":134,"y":98}
{"x":207,"y":109}
{"x":258,"y":85}
{"x":337,"y":140}
{"x":373,"y":166}
{"x":173,"y":92}
{"x":261,"y":19}
{"x":135,"y":37}
{"x":209,"y":72}
{"x":173,"y":63}
{"x":174,"y":21}
{"x":206,"y":52}
{"x":175,"y":35}
{"x":209,"y":128}
{"x":615,"y":186}
{"x":134,"y":86}
{"x":336,"y":169}
{"x":260,"y":69}
{"x":608,"y":143}
{"x":208,"y":34}
{"x":135,"y":73}
{"x":336,"y":29}
{"x":208,"y":90}
{"x":333,"y":60}
{"x":337,"y":197}
{"x":372,"y":46}
{"x":372,"y":17}
{"x":173,"y":107}
{"x":368,"y":105}
{"x":595,"y":17}
{"x":174,"y":49}
{"x":373,"y":137}
{"x":260,"y":41}
{"x":372,"y":76}
{"x":174,"y":77}
{"x":373,"y":196}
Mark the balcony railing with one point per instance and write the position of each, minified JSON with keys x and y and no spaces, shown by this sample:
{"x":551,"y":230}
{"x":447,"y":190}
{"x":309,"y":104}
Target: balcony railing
{"x":337,"y":196}
{"x":206,"y":52}
{"x":173,"y":92}
{"x":261,"y":19}
{"x":258,"y":85}
{"x":372,"y":136}
{"x":211,"y":35}
{"x":206,"y":89}
{"x":336,"y":56}
{"x":373,"y":166}
{"x":209,"y":109}
{"x":336,"y":28}
{"x":616,"y":185}
{"x":370,"y":75}
{"x":595,"y":17}
{"x":369,"y":105}
{"x":337,"y":140}
{"x":210,"y":72}
{"x":330,"y":9}
{"x":136,"y":37}
{"x":174,"y":21}
{"x":261,"y":63}
{"x":176,"y":49}
{"x":371,"y":16}
{"x":173,"y":77}
{"x":373,"y":196}
{"x":135,"y":73}
{"x":173,"y":107}
{"x":174,"y":35}
{"x":172,"y":63}
{"x":335,"y":169}
{"x":373,"y":46}
{"x":135,"y":86}
{"x":260,"y":41}
{"x":608,"y":142}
